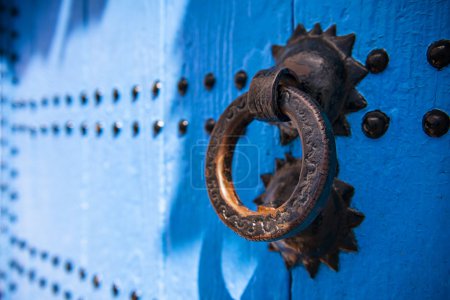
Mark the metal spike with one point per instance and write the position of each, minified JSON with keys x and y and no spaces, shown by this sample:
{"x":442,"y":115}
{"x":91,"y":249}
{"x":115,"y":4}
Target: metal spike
{"x":312,"y":266}
{"x":299,"y":31}
{"x":355,"y":101}
{"x":316,"y":30}
{"x":345,"y":43}
{"x":331,"y":31}
{"x":279,"y":163}
{"x":354,"y":217}
{"x":355,"y":71}
{"x":341,"y":126}
{"x":349,"y":243}
{"x":331,"y":260}
{"x":345,"y":190}
{"x":277,"y":50}
{"x":289,"y":157}
{"x":266,"y":179}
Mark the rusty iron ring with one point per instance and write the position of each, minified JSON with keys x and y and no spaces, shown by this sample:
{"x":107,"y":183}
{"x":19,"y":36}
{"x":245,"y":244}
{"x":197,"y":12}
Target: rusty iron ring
{"x":317,"y":172}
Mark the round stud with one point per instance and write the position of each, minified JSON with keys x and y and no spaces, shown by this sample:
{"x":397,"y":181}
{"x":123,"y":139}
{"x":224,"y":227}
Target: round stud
{"x":12,"y":287}
{"x":84,"y":128}
{"x":115,"y":290}
{"x":135,"y":128}
{"x":182,"y":86}
{"x":157,"y":127}
{"x":67,"y":295}
{"x":42,"y":283}
{"x":82,"y":274}
{"x":377,"y":61}
{"x":55,"y":288}
{"x":31,"y":275}
{"x":83,"y":99}
{"x":55,"y":261}
{"x":44,"y":102}
{"x":135,"y":295}
{"x":135,"y":92}
{"x":97,"y":97}
{"x":116,"y":95}
{"x":68,"y":266}
{"x":56,"y":101}
{"x":209,"y":125}
{"x":96,"y":281}
{"x":240,"y":79}
{"x":55,"y":129}
{"x":375,"y":124}
{"x":209,"y":81}
{"x":43,"y":129}
{"x":44,"y":255}
{"x":69,"y":100}
{"x":438,"y":54}
{"x":156,"y":88}
{"x":69,"y":127}
{"x":32,"y":251}
{"x":99,"y":128}
{"x":182,"y":127}
{"x":117,"y":127}
{"x":435,"y":123}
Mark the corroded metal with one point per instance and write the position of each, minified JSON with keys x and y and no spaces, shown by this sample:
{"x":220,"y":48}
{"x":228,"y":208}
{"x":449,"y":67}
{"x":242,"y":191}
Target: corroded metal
{"x":277,"y":101}
{"x":325,"y":69}
{"x":330,"y":232}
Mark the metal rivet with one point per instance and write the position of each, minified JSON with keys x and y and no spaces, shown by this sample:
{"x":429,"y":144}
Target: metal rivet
{"x":83,"y":99}
{"x":68,"y":266}
{"x":67,"y":295}
{"x":209,"y":125}
{"x":22,"y":244}
{"x":435,"y":123}
{"x":43,"y":129}
{"x":55,"y":129}
{"x":69,"y":127}
{"x":156,"y":88}
{"x":375,"y":124}
{"x":182,"y":86}
{"x":135,"y":295}
{"x":96,"y":281}
{"x":182,"y":126}
{"x":115,"y":290}
{"x":56,"y":101}
{"x":157,"y":127}
{"x":44,"y":102}
{"x":135,"y":128}
{"x":377,"y":61}
{"x":438,"y":54}
{"x":135,"y":92}
{"x":55,"y":288}
{"x":116,"y":95}
{"x":209,"y":81}
{"x":98,"y":97}
{"x":240,"y":79}
{"x":44,"y":255}
{"x":83,"y":128}
{"x":69,"y":100}
{"x":99,"y":128}
{"x":55,"y":261}
{"x":82,"y":274}
{"x":117,"y":126}
{"x":42,"y":282}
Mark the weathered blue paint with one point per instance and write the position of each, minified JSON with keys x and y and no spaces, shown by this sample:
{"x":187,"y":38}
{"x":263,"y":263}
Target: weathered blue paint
{"x":134,"y":210}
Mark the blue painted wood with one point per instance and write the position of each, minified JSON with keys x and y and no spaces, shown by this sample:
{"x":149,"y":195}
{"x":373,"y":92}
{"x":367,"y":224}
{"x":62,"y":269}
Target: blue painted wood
{"x":134,"y":209}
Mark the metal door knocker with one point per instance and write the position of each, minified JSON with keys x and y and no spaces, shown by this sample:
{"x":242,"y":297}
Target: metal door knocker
{"x":304,"y":211}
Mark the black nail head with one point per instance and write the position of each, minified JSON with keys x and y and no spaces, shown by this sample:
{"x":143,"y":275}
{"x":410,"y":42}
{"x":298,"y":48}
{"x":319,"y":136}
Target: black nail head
{"x":68,"y":267}
{"x":435,"y":123}
{"x":99,"y":129}
{"x":182,"y":126}
{"x":83,"y":128}
{"x":44,"y":255}
{"x":157,"y":127}
{"x":115,"y":290}
{"x":69,"y":127}
{"x":438,"y":54}
{"x":135,"y":92}
{"x":68,"y":100}
{"x":135,"y":295}
{"x":135,"y":128}
{"x":156,"y":88}
{"x":55,"y":288}
{"x":67,"y":295}
{"x":375,"y":124}
{"x":209,"y":81}
{"x":82,"y":274}
{"x":116,"y":95}
{"x":42,"y":282}
{"x":98,"y":97}
{"x":377,"y":61}
{"x":55,"y":129}
{"x":240,"y":79}
{"x":209,"y":125}
{"x":55,"y":261}
{"x":117,"y":126}
{"x":182,"y":86}
{"x":83,"y":99}
{"x":96,"y":281}
{"x":56,"y":101}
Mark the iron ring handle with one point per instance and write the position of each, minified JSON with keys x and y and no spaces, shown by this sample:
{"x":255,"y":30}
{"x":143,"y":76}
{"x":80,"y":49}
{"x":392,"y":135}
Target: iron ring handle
{"x":270,"y":100}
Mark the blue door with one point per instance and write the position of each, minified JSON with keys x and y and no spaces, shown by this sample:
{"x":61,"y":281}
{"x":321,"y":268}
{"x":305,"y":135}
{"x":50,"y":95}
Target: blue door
{"x":107,"y":110}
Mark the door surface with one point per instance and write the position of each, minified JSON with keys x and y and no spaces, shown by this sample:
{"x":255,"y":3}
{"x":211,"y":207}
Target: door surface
{"x":103,"y":139}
